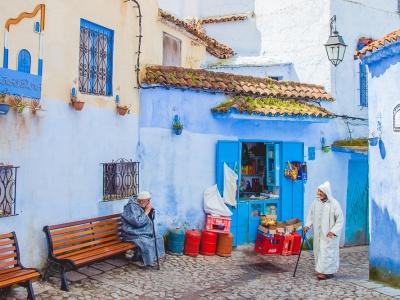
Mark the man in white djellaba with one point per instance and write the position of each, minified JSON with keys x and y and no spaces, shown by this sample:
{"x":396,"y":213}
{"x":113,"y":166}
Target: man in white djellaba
{"x":326,"y":218}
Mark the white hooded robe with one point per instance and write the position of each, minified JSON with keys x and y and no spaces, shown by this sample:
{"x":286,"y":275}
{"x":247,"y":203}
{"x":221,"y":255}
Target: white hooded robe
{"x":326,"y":217}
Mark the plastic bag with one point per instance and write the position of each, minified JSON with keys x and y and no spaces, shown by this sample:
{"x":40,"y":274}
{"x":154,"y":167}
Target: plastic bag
{"x":214,"y":204}
{"x":230,"y":185}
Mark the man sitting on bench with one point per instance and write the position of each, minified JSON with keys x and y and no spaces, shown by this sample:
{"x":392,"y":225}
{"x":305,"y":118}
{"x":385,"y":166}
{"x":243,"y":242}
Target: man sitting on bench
{"x":137,"y":227}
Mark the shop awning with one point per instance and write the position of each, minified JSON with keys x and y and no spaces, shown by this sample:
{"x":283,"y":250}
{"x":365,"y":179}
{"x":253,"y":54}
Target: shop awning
{"x":273,"y":109}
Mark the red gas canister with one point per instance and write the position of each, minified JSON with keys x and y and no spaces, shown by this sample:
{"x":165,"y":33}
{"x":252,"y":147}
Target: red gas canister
{"x":224,"y":245}
{"x":208,"y":244}
{"x":192,"y":242}
{"x":296,"y":243}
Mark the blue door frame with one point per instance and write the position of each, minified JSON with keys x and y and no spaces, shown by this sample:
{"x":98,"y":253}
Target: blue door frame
{"x":291,"y":200}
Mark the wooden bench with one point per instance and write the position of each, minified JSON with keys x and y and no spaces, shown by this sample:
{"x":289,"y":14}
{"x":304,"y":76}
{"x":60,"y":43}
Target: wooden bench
{"x":76,"y":244}
{"x":11,"y":270}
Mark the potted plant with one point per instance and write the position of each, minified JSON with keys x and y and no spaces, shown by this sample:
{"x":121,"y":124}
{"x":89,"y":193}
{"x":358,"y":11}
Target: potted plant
{"x":4,"y":106}
{"x":76,"y":103}
{"x":122,"y":110}
{"x":373,"y":141}
{"x":177,"y":125}
{"x":35,"y":106}
{"x":18,"y":103}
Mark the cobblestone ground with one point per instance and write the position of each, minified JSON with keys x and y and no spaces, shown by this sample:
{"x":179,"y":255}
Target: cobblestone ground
{"x":245,"y":275}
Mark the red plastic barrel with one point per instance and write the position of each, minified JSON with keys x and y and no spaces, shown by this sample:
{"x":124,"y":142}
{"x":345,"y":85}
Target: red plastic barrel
{"x":192,"y":242}
{"x":208,"y":243}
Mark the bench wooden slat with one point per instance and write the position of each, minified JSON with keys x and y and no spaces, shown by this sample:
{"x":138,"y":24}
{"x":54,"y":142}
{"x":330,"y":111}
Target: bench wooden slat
{"x":97,"y":251}
{"x":4,"y":271}
{"x":83,"y":245}
{"x":8,"y":256}
{"x":16,"y":273}
{"x":86,"y":238}
{"x":88,"y":249}
{"x":22,"y":278}
{"x":102,"y":256}
{"x":115,"y":216}
{"x":7,"y":249}
{"x":85,"y":226}
{"x":8,"y":263}
{"x":85,"y":232}
{"x":6,"y":236}
{"x":6,"y":242}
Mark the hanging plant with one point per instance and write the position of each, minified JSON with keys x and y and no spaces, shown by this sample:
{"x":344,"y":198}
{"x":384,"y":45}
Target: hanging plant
{"x":76,"y":103}
{"x":4,"y":106}
{"x":177,"y":125}
{"x":123,"y":110}
{"x":18,"y":103}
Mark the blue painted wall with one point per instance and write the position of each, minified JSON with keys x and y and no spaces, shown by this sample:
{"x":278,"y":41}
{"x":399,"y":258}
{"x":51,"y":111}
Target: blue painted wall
{"x":60,"y":179}
{"x":384,"y":96}
{"x":177,"y":169}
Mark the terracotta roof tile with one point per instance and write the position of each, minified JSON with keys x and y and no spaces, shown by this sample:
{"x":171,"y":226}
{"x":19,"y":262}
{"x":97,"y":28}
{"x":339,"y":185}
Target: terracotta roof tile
{"x":271,"y":107}
{"x":195,"y":28}
{"x":222,"y":19}
{"x":232,"y":83}
{"x":375,"y":45}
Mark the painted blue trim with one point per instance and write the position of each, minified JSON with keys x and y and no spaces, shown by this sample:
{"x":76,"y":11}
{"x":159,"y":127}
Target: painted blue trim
{"x":40,"y":67}
{"x":24,"y":61}
{"x":363,"y":85}
{"x":95,"y":30}
{"x":348,"y":150}
{"x":262,"y":117}
{"x":19,"y":83}
{"x":5,"y":58}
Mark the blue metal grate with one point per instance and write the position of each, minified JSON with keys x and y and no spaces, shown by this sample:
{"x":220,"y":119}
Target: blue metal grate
{"x":95,"y":59}
{"x":363,"y":85}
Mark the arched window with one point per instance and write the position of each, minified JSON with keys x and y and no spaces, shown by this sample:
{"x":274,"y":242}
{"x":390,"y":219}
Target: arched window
{"x":24,"y":61}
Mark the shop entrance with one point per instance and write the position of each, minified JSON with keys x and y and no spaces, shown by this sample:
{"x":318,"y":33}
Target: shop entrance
{"x":263,"y":188}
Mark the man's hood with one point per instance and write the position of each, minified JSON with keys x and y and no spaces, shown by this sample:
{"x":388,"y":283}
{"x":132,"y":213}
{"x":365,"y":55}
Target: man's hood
{"x":326,"y":188}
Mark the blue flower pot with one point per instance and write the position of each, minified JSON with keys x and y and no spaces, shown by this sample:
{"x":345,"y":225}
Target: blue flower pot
{"x":382,"y":149}
{"x":373,"y":141}
{"x":177,"y":131}
{"x":4,"y":108}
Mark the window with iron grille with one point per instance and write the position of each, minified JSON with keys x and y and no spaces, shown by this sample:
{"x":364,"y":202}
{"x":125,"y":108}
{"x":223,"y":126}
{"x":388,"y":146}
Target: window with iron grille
{"x":120,"y":179}
{"x":363,"y":85}
{"x":8,"y":185}
{"x":95,"y":59}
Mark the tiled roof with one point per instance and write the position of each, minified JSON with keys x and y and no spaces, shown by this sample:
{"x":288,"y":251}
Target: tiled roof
{"x":271,"y":107}
{"x":375,"y":45}
{"x":222,"y":19}
{"x":232,"y":84}
{"x":213,"y":46}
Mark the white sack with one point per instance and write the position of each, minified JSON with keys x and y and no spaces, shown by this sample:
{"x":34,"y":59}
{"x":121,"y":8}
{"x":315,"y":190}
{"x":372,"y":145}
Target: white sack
{"x":213,"y":203}
{"x":230,"y":185}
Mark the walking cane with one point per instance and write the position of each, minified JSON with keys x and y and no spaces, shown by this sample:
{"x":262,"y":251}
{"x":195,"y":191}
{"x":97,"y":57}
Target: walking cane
{"x":301,"y":248}
{"x":152,"y":217}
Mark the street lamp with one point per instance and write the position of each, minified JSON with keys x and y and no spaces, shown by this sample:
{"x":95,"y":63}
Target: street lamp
{"x":335,"y":46}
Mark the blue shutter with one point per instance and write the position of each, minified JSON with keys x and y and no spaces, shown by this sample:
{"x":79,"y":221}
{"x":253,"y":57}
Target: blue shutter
{"x":24,"y":61}
{"x":363,"y":85}
{"x":228,"y":152}
{"x":292,"y":202}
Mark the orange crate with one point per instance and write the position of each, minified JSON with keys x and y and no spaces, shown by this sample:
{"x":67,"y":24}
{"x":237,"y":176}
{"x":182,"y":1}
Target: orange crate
{"x":218,"y":224}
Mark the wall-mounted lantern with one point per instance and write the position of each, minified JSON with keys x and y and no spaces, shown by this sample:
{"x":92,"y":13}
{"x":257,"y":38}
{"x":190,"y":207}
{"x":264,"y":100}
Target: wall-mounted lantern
{"x":335,"y":46}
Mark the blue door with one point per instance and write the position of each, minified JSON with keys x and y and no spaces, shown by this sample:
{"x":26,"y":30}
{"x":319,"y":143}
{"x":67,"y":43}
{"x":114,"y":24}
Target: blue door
{"x":228,"y":152}
{"x":292,"y":202}
{"x":357,"y":203}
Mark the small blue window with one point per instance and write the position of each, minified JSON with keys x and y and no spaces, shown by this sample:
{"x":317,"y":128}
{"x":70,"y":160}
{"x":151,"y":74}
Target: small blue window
{"x":363,"y":85}
{"x":95,"y":59}
{"x":24,"y":61}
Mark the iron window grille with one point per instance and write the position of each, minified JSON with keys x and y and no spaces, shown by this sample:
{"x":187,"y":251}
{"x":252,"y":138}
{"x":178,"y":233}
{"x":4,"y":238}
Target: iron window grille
{"x":8,"y":190}
{"x":363,"y":85}
{"x":120,"y":179}
{"x":95,"y":59}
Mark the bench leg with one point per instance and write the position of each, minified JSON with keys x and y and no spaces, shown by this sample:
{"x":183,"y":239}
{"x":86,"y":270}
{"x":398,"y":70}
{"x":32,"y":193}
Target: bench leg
{"x":29,"y":288}
{"x":64,"y":281}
